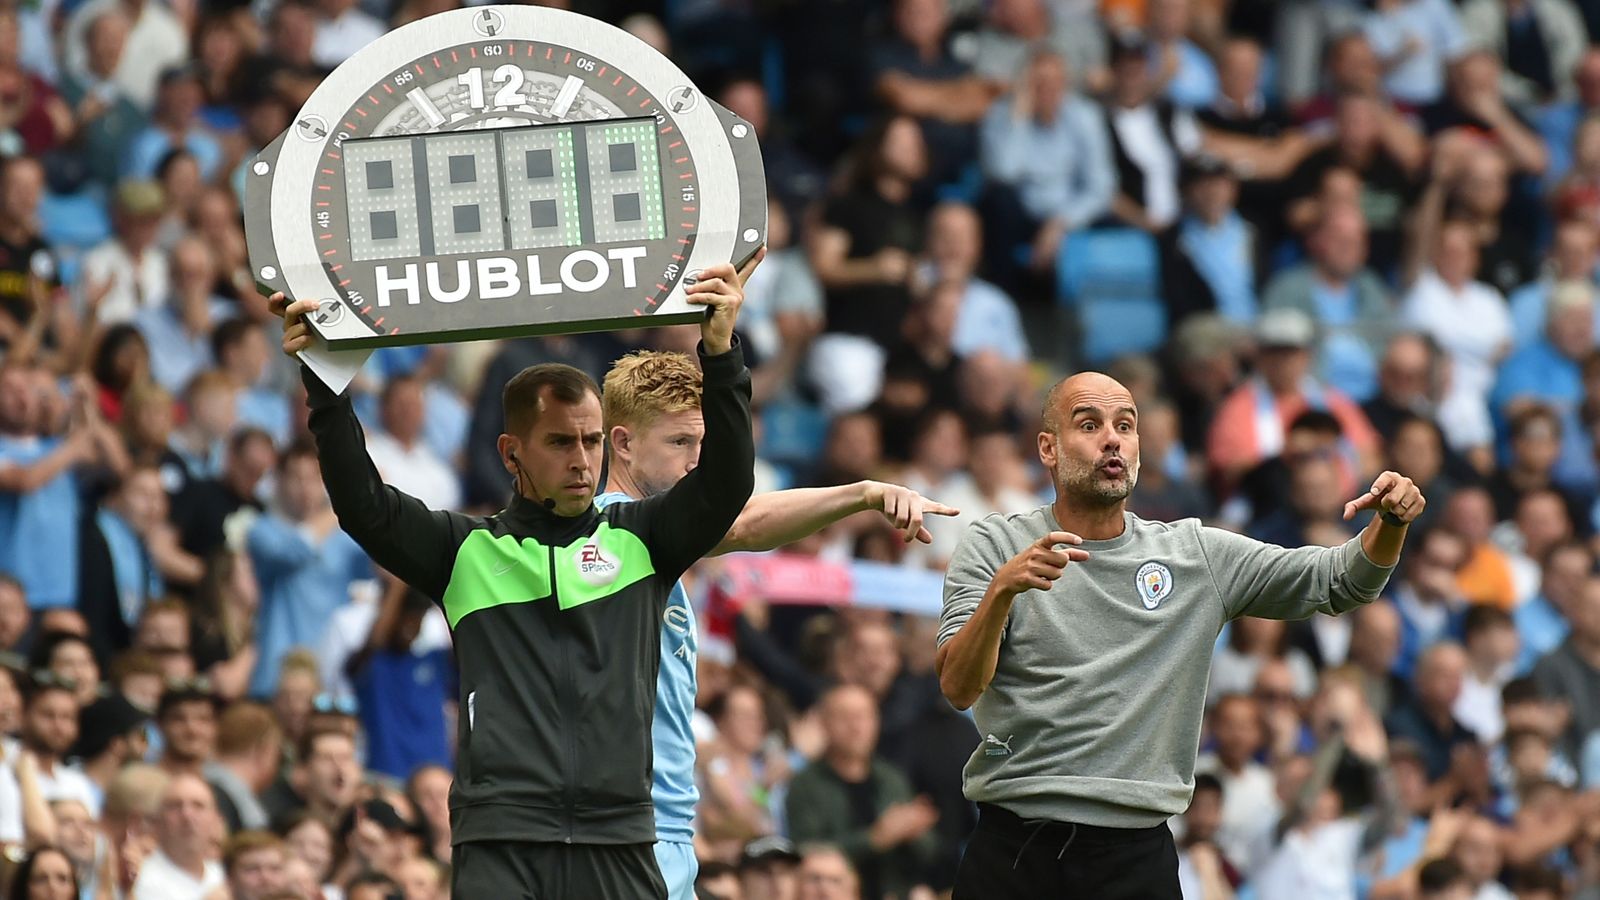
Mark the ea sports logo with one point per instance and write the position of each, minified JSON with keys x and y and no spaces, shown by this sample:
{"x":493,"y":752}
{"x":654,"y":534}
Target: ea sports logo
{"x":593,"y":567}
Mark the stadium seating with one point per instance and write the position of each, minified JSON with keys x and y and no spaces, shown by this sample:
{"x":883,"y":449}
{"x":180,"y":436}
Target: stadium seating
{"x":1110,"y":280}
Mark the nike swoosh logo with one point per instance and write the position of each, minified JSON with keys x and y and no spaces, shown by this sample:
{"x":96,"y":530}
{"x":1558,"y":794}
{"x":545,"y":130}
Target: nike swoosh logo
{"x":505,"y":567}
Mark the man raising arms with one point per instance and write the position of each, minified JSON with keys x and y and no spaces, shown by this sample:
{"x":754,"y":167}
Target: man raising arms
{"x":555,"y":607}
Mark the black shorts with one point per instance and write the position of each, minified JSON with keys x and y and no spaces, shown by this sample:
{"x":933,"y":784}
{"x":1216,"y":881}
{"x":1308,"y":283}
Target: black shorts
{"x":1009,"y":858}
{"x":523,"y":870}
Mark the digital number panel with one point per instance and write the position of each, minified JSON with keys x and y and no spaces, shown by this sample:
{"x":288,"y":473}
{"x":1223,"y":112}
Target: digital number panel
{"x":504,"y":190}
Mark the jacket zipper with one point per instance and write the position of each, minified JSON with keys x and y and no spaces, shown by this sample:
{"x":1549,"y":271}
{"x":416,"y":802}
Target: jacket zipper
{"x":567,"y":702}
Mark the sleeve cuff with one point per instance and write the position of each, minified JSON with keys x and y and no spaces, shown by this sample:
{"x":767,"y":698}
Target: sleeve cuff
{"x":1365,"y":576}
{"x":318,"y":395}
{"x":723,"y":367}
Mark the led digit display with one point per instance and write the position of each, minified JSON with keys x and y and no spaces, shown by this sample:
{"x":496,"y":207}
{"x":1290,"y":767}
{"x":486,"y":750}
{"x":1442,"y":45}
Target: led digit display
{"x":503,"y":190}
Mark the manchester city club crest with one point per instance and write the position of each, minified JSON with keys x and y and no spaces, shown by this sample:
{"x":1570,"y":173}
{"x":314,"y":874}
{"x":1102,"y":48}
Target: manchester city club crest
{"x":1154,"y":581}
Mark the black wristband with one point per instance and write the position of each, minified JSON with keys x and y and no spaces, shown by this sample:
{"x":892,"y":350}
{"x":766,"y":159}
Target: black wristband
{"x":1389,"y":518}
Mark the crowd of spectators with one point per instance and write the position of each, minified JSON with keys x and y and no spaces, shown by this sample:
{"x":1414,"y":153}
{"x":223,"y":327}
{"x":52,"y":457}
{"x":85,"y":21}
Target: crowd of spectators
{"x":1376,"y":233}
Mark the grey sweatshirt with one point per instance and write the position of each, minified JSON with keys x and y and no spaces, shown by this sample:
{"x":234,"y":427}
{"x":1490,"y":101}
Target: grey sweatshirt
{"x":1094,"y":712}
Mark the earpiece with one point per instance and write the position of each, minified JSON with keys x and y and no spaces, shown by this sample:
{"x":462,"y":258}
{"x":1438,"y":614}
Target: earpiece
{"x":549,"y":503}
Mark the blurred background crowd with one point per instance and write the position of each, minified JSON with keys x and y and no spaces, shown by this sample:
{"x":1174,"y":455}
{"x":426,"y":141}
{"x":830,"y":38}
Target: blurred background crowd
{"x":1316,"y":238}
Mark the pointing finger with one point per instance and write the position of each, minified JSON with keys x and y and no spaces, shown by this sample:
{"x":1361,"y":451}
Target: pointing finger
{"x":1384,"y":483}
{"x":939,"y":509}
{"x":1077,"y":554}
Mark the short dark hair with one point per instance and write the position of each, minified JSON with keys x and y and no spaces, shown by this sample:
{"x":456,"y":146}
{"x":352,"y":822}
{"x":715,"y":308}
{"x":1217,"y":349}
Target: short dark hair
{"x":1482,"y":617}
{"x":1317,"y":421}
{"x":308,"y":743}
{"x":1520,"y":690}
{"x":396,"y":383}
{"x":525,"y":391}
{"x":1441,"y":874}
{"x":1205,"y":781}
{"x":1412,"y":420}
{"x":301,"y":448}
{"x":45,"y":646}
{"x":1532,"y":415}
{"x":246,"y":436}
{"x":228,"y":335}
{"x":1538,"y":878}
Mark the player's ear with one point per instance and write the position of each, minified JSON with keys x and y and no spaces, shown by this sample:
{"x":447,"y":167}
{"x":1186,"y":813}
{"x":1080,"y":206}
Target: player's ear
{"x":621,"y":440}
{"x":508,"y":447}
{"x":1047,"y":449}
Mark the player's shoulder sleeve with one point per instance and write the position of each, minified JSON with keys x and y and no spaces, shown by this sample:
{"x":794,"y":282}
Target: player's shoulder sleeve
{"x":983,"y":549}
{"x":1254,"y":578}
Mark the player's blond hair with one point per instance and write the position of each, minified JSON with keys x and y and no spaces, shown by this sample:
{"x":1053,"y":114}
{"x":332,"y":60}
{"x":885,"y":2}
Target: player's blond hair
{"x":646,"y":385}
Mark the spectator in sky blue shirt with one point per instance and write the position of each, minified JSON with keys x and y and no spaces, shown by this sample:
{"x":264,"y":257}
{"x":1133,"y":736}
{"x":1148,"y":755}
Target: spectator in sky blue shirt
{"x":1415,"y":39}
{"x":304,"y":563}
{"x":174,"y":124}
{"x":1558,"y":122}
{"x":241,"y":350}
{"x":1550,"y":371}
{"x":1573,"y":256}
{"x":39,"y":499}
{"x":1541,"y":621}
{"x":1353,"y":309}
{"x":987,"y":318}
{"x":178,"y":332}
{"x":1217,"y":244}
{"x":1187,"y":71}
{"x":1048,"y":145}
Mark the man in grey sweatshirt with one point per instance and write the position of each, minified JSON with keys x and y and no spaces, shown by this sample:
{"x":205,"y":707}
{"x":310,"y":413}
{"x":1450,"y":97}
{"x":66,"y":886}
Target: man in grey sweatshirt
{"x":1081,"y":635}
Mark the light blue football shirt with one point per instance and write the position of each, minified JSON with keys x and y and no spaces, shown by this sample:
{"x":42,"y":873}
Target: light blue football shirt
{"x":672,"y":788}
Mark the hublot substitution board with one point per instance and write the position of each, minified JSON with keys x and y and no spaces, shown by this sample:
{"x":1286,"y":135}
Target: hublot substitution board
{"x":499,"y":171}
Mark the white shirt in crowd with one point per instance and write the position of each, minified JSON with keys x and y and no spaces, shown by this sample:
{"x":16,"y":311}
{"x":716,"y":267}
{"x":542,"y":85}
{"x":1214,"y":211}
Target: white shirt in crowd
{"x":349,"y":627}
{"x":65,"y":782}
{"x":156,"y":41}
{"x":1139,"y":132}
{"x":1472,"y":324}
{"x":1313,"y":864}
{"x":338,"y":39}
{"x":418,"y":471}
{"x":10,"y":805}
{"x":135,"y":285}
{"x":1249,"y":810}
{"x":161,"y":879}
{"x":1478,"y":707}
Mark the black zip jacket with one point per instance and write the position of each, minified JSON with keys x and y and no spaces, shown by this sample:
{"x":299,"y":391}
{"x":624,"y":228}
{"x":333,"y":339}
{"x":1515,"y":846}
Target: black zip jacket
{"x":556,"y":620}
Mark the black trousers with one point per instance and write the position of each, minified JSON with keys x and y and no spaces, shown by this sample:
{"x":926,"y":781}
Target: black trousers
{"x":523,"y":870}
{"x":1010,"y":858}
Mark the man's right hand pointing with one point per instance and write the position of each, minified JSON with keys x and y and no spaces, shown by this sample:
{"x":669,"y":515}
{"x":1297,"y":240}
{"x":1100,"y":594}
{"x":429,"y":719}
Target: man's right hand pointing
{"x":1040,"y":563}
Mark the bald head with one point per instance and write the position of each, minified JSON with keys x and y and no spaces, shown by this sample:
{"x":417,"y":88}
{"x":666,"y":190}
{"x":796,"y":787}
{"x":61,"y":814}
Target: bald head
{"x":1075,"y":390}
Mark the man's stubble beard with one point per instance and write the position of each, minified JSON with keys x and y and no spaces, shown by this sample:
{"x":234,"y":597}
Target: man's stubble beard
{"x":1081,"y":485}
